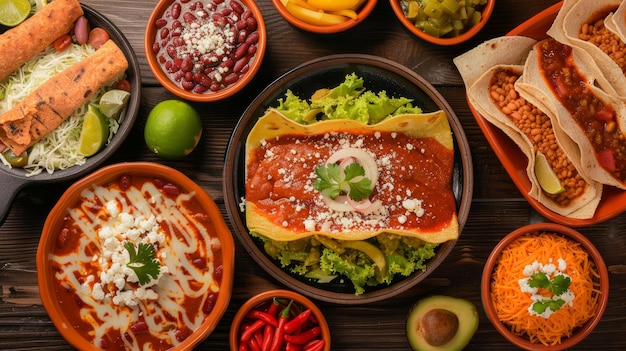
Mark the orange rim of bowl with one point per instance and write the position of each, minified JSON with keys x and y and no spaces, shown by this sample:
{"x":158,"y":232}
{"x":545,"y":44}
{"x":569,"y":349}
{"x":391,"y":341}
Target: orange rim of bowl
{"x":164,"y":80}
{"x":268,"y":295}
{"x":107,"y":174}
{"x":486,"y":14}
{"x":365,"y":11}
{"x":593,"y":252}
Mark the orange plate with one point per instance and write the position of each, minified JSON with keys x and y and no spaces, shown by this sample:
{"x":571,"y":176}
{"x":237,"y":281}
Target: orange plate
{"x":613,"y":200}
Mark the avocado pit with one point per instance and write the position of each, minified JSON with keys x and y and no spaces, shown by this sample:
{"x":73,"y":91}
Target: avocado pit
{"x":439,"y":326}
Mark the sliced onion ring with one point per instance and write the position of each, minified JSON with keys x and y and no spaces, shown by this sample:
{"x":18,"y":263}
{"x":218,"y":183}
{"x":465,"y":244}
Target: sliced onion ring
{"x":362,"y":157}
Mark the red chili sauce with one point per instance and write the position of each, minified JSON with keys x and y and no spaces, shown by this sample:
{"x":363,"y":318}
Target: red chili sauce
{"x":196,"y":249}
{"x":206,"y":48}
{"x":596,"y":118}
{"x":281,"y":173}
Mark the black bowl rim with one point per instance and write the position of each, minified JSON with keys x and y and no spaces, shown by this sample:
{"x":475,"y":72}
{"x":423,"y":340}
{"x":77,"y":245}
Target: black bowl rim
{"x":231,"y":159}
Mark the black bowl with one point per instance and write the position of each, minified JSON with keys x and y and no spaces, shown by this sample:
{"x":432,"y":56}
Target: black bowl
{"x":12,"y":180}
{"x":327,"y":72}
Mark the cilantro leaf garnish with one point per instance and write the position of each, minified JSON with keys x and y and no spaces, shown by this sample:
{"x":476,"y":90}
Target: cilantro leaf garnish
{"x":353,"y":183}
{"x":143,"y":261}
{"x":557,"y":285}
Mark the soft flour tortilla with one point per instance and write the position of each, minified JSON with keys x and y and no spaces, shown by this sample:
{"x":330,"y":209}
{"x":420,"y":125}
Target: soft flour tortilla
{"x":616,"y":21}
{"x":274,"y":124}
{"x":567,"y":25}
{"x":536,"y":89}
{"x":512,"y":58}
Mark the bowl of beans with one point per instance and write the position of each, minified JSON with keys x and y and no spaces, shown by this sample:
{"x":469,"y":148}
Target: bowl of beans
{"x":205,"y":51}
{"x":447,"y":22}
{"x":324,"y":16}
{"x":135,"y":255}
{"x":279,"y":320}
{"x":545,"y":287}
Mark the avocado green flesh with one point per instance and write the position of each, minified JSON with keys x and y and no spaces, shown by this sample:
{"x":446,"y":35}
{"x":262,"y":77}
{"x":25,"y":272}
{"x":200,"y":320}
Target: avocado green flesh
{"x":463,"y":309}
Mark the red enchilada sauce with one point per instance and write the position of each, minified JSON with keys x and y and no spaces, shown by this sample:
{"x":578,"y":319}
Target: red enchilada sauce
{"x":281,"y":173}
{"x":596,"y":118}
{"x":190,"y":249}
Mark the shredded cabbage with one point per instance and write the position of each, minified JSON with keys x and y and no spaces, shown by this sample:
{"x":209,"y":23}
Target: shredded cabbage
{"x":59,"y":149}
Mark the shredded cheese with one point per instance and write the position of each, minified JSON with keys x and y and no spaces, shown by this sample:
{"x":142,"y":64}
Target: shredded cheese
{"x":532,"y":253}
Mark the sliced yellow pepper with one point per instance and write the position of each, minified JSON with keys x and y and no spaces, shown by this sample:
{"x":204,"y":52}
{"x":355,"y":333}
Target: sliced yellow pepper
{"x":346,"y":13}
{"x":319,"y":18}
{"x":334,"y":5}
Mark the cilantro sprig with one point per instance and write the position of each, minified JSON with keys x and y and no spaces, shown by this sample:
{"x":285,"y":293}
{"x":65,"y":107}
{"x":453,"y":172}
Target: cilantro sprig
{"x":143,"y":261}
{"x":558,"y":285}
{"x":333,"y":180}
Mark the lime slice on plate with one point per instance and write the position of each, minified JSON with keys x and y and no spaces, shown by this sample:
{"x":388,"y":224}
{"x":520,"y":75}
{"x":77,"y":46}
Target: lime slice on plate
{"x":95,"y":132}
{"x":548,"y":180}
{"x":113,"y":102}
{"x":13,"y":12}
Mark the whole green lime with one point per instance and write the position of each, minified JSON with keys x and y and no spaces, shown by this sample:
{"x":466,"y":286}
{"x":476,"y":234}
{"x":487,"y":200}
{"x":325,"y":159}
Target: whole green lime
{"x":173,"y":129}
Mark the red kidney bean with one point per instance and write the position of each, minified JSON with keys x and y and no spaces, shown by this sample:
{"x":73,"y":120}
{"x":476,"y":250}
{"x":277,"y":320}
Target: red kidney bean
{"x":187,"y":64}
{"x":226,"y":12}
{"x":63,"y":238}
{"x":171,"y":189}
{"x":81,"y":30}
{"x":251,"y":23}
{"x":187,"y":85}
{"x":247,"y":13}
{"x":236,"y":6}
{"x":253,"y":38}
{"x":217,"y":2}
{"x":189,"y":18}
{"x":215,"y":87}
{"x":227,"y":64}
{"x":171,"y":51}
{"x":241,"y":50}
{"x":209,"y":303}
{"x":242,"y":35}
{"x":139,"y":327}
{"x":156,"y":47}
{"x":241,"y":63}
{"x":199,"y":89}
{"x":252,"y":50}
{"x":160,"y":23}
{"x":164,"y":32}
{"x":176,"y":8}
{"x":231,"y":78}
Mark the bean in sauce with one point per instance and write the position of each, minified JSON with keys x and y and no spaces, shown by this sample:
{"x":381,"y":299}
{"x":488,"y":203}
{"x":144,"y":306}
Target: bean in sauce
{"x":206,"y":46}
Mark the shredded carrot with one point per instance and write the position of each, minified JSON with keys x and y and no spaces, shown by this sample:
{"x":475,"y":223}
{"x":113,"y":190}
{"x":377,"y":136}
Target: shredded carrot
{"x":512,"y":304}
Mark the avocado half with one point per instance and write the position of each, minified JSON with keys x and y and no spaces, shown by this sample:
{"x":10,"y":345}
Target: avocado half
{"x":439,"y":323}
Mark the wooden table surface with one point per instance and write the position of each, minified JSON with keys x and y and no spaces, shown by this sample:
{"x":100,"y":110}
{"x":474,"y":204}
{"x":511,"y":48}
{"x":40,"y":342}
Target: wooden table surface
{"x":497,"y":206}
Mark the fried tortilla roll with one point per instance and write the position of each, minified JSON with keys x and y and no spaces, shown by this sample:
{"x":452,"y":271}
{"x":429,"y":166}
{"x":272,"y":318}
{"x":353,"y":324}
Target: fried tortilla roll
{"x":54,"y":101}
{"x":31,"y":37}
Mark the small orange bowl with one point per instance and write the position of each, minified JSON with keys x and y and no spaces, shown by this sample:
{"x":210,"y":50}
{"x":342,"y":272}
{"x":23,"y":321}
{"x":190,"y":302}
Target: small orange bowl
{"x":486,"y":11}
{"x":197,"y":248}
{"x":530,"y":235}
{"x":315,"y":26}
{"x":263,"y":301}
{"x":211,"y":66}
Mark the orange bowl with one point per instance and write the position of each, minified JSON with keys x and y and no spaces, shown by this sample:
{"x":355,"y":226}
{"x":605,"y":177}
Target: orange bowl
{"x":366,"y":8}
{"x":486,"y":12}
{"x":262,"y":301}
{"x":226,"y":56}
{"x":68,"y":244}
{"x":602,"y":281}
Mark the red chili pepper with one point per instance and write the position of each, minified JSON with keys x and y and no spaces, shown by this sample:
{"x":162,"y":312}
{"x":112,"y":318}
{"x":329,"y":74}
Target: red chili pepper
{"x":305,"y":336}
{"x":264,"y":316}
{"x":254,"y":345}
{"x":293,"y":347}
{"x":247,"y":334}
{"x":243,"y":347}
{"x":279,"y":333}
{"x":268,"y":330}
{"x":297,"y":321}
{"x":314,"y":345}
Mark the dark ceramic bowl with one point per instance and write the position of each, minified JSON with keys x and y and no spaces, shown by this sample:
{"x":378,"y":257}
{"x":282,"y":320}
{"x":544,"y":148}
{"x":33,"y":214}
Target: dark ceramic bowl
{"x":378,"y":74}
{"x":12,"y":180}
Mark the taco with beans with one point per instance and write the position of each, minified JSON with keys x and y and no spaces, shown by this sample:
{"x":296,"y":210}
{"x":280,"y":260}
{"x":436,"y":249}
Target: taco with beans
{"x":593,"y":118}
{"x":495,"y":94}
{"x":596,"y":28}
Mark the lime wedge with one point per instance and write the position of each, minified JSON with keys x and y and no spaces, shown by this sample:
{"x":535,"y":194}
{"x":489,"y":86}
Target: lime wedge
{"x":548,"y":180}
{"x":113,"y":102}
{"x":13,"y":12}
{"x":95,"y":132}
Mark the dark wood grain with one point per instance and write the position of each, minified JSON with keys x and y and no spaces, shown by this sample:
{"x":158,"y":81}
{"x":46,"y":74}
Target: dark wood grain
{"x":497,"y":206}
